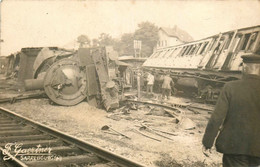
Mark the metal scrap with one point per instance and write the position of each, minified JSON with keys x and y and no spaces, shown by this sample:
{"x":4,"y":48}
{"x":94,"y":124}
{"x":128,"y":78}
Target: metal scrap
{"x":106,"y":127}
{"x":144,"y":127}
{"x":169,"y":133}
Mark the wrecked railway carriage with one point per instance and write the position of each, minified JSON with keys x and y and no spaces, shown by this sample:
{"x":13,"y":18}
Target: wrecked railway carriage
{"x":69,"y":77}
{"x":202,"y":67}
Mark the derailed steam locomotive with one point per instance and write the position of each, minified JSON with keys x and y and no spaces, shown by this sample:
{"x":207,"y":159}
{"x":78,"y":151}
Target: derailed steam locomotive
{"x":202,"y":67}
{"x":69,"y":77}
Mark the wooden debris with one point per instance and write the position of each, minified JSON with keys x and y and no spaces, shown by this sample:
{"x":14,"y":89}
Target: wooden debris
{"x":138,"y":131}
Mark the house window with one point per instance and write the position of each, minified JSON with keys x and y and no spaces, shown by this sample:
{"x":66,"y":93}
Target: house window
{"x":165,"y":43}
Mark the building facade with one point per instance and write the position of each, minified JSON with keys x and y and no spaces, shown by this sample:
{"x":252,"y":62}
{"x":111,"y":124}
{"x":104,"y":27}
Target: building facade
{"x":172,"y":37}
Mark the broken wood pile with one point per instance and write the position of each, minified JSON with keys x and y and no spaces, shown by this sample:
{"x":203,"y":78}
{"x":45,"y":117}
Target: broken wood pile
{"x":152,"y":119}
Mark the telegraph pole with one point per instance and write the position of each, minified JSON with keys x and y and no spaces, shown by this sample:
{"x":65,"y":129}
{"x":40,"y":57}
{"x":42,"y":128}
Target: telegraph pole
{"x":137,"y":48}
{"x":138,"y":84}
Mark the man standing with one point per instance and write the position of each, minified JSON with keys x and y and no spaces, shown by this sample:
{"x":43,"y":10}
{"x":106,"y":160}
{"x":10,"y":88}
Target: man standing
{"x":237,"y":119}
{"x":150,"y":82}
{"x":166,"y":86}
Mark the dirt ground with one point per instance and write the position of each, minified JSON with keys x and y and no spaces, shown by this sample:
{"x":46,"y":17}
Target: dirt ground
{"x":183,"y":148}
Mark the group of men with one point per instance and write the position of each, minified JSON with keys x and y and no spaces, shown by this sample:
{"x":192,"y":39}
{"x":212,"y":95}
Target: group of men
{"x":166,"y":85}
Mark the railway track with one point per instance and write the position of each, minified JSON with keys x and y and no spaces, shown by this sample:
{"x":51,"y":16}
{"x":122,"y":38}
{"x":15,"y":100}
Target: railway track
{"x":24,"y":142}
{"x":172,"y":106}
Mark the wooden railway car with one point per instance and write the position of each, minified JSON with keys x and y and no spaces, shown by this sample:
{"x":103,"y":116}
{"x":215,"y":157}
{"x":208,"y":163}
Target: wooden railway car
{"x":207,"y":64}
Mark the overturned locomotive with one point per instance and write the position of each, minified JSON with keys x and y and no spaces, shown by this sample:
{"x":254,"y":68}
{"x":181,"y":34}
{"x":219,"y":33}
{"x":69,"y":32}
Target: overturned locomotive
{"x":69,"y":77}
{"x":202,"y":67}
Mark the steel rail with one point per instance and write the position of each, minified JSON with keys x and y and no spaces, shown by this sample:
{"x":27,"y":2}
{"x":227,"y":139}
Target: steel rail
{"x":88,"y":147}
{"x":171,"y":106}
{"x":155,"y":104}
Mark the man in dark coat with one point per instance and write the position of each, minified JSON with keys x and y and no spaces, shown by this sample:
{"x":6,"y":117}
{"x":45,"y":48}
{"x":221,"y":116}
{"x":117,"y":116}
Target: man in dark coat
{"x":237,"y":118}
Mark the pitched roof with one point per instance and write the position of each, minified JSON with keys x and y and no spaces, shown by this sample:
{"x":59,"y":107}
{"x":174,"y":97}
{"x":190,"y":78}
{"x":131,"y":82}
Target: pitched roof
{"x":177,"y":32}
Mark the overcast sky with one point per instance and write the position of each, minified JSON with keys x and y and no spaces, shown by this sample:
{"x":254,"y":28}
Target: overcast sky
{"x":57,"y":23}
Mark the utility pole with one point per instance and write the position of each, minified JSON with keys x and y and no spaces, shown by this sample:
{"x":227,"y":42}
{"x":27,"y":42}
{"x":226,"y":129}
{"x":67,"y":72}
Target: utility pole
{"x":137,"y":48}
{"x":138,"y":84}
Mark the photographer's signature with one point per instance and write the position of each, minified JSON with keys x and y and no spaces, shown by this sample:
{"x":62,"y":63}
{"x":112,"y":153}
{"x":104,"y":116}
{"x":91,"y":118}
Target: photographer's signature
{"x":38,"y":153}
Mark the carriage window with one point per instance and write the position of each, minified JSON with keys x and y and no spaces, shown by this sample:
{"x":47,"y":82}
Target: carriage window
{"x":220,"y":45}
{"x":228,"y":42}
{"x":156,"y":54}
{"x":183,"y":50}
{"x":204,"y":47}
{"x":246,"y":38}
{"x":198,"y":48}
{"x":192,"y":50}
{"x":153,"y":55}
{"x":212,"y":44}
{"x":167,"y":53}
{"x":162,"y":53}
{"x":236,"y":43}
{"x":188,"y":50}
{"x":252,"y":41}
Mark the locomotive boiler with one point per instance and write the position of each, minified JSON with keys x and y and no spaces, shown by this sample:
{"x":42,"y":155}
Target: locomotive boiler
{"x":69,"y":77}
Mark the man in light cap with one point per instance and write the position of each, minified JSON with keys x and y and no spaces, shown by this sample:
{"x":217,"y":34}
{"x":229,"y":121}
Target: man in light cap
{"x":237,"y":119}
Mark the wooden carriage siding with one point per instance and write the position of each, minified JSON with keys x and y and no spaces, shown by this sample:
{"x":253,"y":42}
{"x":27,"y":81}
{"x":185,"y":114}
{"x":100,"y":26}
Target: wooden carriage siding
{"x":220,"y":52}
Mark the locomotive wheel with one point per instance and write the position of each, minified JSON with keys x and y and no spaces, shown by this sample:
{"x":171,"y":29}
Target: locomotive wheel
{"x":65,"y":83}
